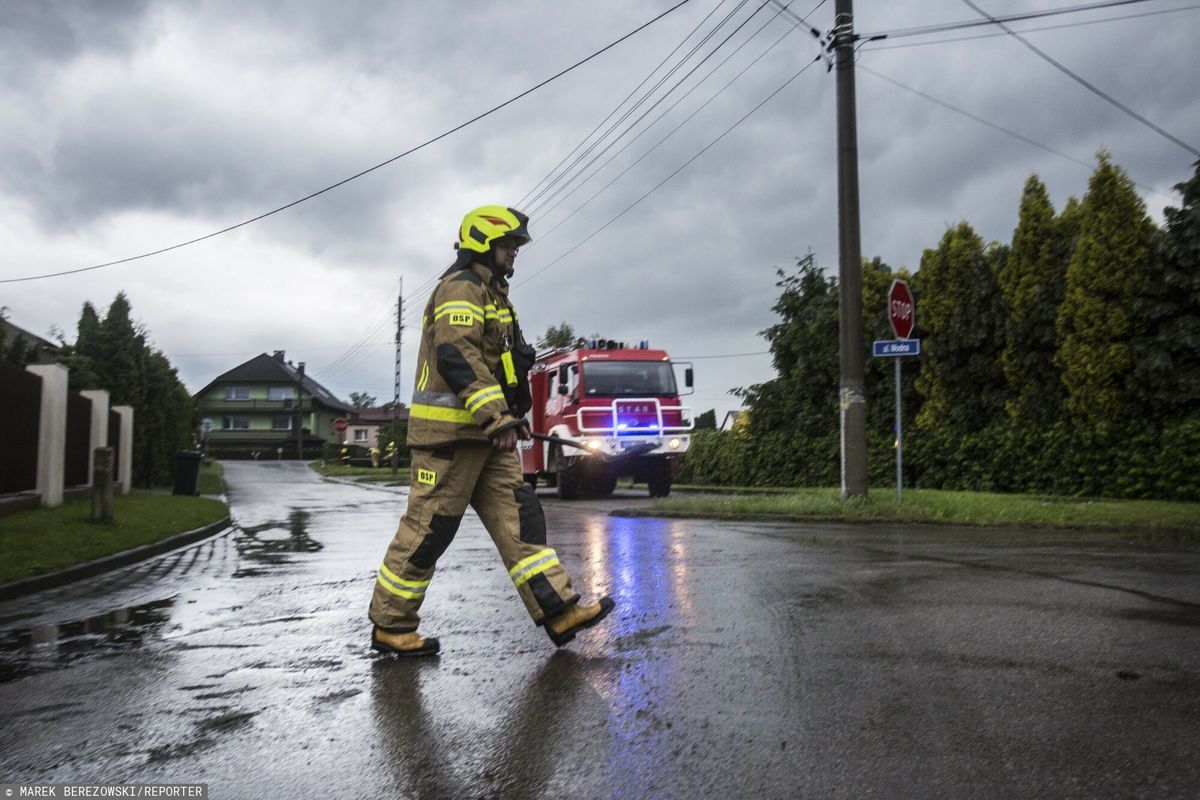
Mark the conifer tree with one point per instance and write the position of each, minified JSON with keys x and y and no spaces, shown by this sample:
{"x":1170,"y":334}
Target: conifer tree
{"x":1033,"y":281}
{"x":111,"y":353}
{"x":1107,"y":272}
{"x":1167,"y":355}
{"x":961,"y":318}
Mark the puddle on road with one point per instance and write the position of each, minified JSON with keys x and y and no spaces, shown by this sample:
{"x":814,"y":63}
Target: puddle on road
{"x":274,"y":543}
{"x":45,"y":648}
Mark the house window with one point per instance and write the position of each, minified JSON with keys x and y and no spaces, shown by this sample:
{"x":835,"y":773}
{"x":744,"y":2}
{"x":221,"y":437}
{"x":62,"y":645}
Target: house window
{"x":281,"y":393}
{"x":281,"y":423}
{"x":235,"y":423}
{"x":360,"y":434}
{"x":237,"y":392}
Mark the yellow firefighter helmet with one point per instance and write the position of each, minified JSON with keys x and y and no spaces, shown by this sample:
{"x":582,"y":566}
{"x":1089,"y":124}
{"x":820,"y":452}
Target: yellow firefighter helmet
{"x":486,"y":224}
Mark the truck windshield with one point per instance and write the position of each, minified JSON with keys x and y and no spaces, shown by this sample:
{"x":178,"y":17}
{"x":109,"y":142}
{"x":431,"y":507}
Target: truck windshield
{"x":628,"y":379}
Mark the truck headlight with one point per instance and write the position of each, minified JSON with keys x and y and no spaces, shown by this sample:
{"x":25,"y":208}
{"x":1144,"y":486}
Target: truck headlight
{"x":674,"y":443}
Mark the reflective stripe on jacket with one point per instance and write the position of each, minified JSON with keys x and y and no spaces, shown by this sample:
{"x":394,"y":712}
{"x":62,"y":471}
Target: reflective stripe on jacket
{"x":467,"y":334}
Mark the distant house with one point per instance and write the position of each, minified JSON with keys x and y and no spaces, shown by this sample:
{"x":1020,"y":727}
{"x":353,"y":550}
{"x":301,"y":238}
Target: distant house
{"x":734,"y":420}
{"x":37,"y":349}
{"x":364,"y":424}
{"x":268,"y":408}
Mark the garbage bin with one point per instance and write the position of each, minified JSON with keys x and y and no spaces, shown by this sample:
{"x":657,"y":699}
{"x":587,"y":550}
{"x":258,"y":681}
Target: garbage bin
{"x":187,"y":472}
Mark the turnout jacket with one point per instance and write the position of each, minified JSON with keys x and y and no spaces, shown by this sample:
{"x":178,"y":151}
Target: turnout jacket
{"x":467,"y":381}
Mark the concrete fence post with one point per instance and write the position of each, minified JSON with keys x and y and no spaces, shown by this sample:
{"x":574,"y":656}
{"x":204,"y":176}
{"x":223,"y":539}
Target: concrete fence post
{"x":52,"y":432}
{"x":124,"y":466}
{"x":98,"y":429}
{"x":102,"y":484}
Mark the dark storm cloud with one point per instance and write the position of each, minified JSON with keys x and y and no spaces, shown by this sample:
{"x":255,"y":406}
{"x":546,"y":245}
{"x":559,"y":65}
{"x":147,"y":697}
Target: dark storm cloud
{"x":33,"y":33}
{"x":208,"y":114}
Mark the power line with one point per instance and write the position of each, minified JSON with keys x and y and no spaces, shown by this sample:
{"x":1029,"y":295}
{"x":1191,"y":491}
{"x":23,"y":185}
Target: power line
{"x":782,"y":9}
{"x":672,"y":132}
{"x":924,"y":30}
{"x":344,"y":181}
{"x":426,"y":289}
{"x":1090,"y":87}
{"x":1063,"y":26}
{"x":369,"y":333}
{"x":659,"y":185}
{"x":679,"y":169}
{"x":975,"y":117}
{"x":600,"y":124}
{"x":724,"y":355}
{"x":994,"y":126}
{"x":533,"y":201}
{"x":655,"y":105}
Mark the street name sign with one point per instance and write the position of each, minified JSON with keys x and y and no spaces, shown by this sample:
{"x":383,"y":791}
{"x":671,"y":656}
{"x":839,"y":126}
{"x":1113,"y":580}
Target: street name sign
{"x":890,"y":348}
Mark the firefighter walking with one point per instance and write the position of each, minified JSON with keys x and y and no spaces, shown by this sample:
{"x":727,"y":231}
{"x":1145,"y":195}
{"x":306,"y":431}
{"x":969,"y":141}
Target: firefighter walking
{"x":466,"y":417}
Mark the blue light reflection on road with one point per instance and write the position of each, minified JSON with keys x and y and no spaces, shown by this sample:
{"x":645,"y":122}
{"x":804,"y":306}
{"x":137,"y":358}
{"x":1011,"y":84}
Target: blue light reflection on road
{"x":646,"y":564}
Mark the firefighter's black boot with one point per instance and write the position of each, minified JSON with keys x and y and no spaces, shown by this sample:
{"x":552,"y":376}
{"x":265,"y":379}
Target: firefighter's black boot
{"x":562,"y":629}
{"x":403,"y":644}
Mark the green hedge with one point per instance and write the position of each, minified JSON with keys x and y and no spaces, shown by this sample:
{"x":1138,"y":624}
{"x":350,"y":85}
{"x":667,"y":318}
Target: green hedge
{"x":1104,"y":460}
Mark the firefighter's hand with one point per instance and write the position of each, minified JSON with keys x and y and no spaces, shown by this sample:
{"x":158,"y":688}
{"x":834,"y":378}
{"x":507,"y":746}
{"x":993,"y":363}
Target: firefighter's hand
{"x":505,"y":439}
{"x":523,"y":432}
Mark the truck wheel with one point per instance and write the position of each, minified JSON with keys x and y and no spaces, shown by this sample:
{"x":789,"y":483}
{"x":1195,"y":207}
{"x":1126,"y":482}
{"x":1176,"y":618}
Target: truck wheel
{"x":658,"y":479}
{"x":605,"y":483}
{"x":567,"y":470}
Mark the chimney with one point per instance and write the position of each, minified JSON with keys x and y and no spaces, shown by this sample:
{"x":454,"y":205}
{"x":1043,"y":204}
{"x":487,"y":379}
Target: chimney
{"x":279,"y":356}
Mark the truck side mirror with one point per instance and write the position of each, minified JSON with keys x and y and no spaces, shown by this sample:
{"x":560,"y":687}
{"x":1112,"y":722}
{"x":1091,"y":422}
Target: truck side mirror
{"x":562,"y":376}
{"x":687,"y":377}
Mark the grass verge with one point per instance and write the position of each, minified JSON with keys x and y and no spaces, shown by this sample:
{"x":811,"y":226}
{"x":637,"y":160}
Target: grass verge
{"x":212,"y":480}
{"x":932,"y":506}
{"x":366,"y":474}
{"x":46,"y":539}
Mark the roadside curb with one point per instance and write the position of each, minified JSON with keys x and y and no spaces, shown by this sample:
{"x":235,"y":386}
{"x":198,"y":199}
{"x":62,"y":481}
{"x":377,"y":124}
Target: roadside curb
{"x":50,"y":580}
{"x":377,"y":485}
{"x":1186,"y":535}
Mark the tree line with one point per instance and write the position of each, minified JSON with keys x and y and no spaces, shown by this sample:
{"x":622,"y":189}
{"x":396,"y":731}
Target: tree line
{"x":112,"y":352}
{"x":1065,"y":362}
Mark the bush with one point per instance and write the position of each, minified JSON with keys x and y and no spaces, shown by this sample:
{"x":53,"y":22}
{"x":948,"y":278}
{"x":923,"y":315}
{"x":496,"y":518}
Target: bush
{"x":1101,"y":460}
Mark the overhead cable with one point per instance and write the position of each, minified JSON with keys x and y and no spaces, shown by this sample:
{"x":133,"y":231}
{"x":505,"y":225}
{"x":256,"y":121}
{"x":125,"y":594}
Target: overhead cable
{"x":533,"y":201}
{"x":681,"y":167}
{"x":521,"y":203}
{"x":672,"y":132}
{"x":925,"y":30}
{"x":655,"y":105}
{"x":992,"y":125}
{"x":1040,"y":29}
{"x":975,"y":117}
{"x":358,"y":175}
{"x":1090,"y":87}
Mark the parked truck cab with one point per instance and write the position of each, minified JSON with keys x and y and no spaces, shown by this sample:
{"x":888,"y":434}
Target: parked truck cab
{"x":621,"y":403}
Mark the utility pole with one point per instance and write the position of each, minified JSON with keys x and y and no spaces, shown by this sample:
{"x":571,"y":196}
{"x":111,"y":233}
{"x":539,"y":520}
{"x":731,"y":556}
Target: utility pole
{"x":396,"y":392}
{"x":852,"y":397}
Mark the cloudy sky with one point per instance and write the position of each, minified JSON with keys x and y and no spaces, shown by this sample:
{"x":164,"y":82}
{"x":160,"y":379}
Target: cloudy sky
{"x":131,"y":126}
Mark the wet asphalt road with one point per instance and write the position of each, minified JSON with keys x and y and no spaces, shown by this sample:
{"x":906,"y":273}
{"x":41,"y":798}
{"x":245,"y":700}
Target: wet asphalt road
{"x":743,"y":660}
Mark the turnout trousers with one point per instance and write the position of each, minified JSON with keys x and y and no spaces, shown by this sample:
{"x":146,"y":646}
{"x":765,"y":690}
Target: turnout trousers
{"x":444,"y":482}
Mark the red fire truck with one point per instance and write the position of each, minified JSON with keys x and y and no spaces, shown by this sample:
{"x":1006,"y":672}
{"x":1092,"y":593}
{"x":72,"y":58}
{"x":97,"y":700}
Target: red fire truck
{"x":619,"y":402}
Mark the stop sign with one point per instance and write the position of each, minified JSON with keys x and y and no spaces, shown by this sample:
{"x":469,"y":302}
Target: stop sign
{"x":901,"y":312}
{"x":339,"y":425}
